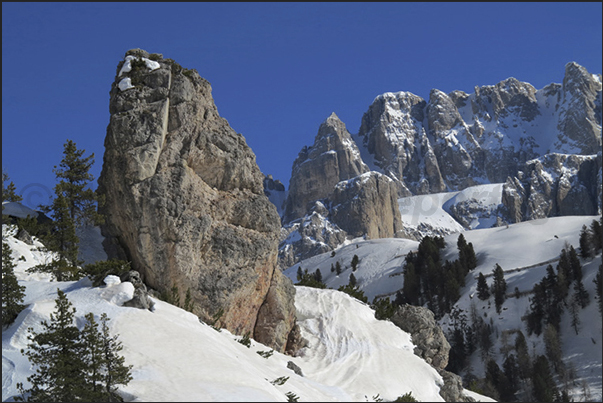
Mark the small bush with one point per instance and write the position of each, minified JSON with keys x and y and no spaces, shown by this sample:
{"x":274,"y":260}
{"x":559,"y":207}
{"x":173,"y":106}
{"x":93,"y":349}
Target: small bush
{"x":280,"y":380}
{"x":407,"y":397}
{"x":245,"y":340}
{"x":99,"y":270}
{"x":265,"y":354}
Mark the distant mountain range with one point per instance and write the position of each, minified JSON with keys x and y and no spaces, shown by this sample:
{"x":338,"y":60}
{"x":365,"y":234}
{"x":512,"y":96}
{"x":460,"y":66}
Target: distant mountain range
{"x":543,"y":147}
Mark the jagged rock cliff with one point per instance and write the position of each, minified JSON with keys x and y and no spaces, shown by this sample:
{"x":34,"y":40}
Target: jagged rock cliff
{"x":458,"y":140}
{"x":333,"y":195}
{"x":185,"y":201}
{"x":334,"y":157}
{"x":542,"y":143}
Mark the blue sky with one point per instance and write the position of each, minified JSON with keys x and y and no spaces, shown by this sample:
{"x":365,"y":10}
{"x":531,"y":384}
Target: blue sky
{"x":277,"y":70}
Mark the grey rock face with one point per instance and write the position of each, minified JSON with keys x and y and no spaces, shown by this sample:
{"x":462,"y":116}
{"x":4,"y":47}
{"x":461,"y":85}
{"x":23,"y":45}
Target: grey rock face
{"x":334,"y":157}
{"x":431,"y":344}
{"x":295,"y":368}
{"x":141,"y":298}
{"x":367,"y":205}
{"x":309,"y":236}
{"x":484,"y":136}
{"x":24,"y":236}
{"x":554,"y":185}
{"x":185,"y":201}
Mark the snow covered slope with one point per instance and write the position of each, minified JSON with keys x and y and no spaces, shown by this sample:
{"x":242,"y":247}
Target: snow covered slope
{"x":523,"y":250}
{"x":446,"y":213}
{"x":350,"y":357}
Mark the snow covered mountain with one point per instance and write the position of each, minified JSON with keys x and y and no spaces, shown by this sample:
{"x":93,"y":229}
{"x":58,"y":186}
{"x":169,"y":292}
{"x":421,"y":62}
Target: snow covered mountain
{"x":523,"y":250}
{"x":351,"y":356}
{"x":543,"y":146}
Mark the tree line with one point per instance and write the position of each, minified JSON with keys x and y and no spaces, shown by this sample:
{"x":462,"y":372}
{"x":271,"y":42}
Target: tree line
{"x":70,"y":364}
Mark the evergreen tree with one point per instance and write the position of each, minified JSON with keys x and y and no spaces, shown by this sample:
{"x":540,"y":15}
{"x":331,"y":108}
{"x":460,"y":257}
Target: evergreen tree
{"x":499,"y":287}
{"x":74,"y":204}
{"x":115,"y":371}
{"x":511,"y":371}
{"x":72,"y":365}
{"x":483,"y":291}
{"x":580,"y":294}
{"x":596,"y":228}
{"x":543,"y":383}
{"x":75,"y":178}
{"x":524,"y":365}
{"x":412,"y":284}
{"x":354,"y":262}
{"x":575,"y":319}
{"x":188,"y":301}
{"x":337,"y":268}
{"x":353,"y":281}
{"x":318,"y":275}
{"x":9,"y":193}
{"x":56,"y":353}
{"x":93,"y":357}
{"x":575,"y":265}
{"x":598,"y":288}
{"x":300,"y":273}
{"x":552,"y":345}
{"x":12,"y":292}
{"x":537,"y":309}
{"x":585,"y":250}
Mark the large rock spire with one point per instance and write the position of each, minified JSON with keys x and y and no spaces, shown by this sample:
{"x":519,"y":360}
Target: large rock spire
{"x":185,"y":201}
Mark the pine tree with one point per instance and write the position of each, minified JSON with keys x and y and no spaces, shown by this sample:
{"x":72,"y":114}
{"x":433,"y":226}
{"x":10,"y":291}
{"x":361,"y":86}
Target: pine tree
{"x":318,"y":275}
{"x":56,"y":353}
{"x":483,"y":291}
{"x":575,"y":312}
{"x":12,"y":292}
{"x":599,"y":288}
{"x":353,"y":280}
{"x":93,"y":356}
{"x":499,"y":287}
{"x":596,"y":228}
{"x":9,"y":193}
{"x":552,"y":345}
{"x":72,"y":365}
{"x":580,"y":294}
{"x":543,"y":383}
{"x":74,"y":204}
{"x":338,"y":268}
{"x":75,"y":178}
{"x":523,"y":357}
{"x":354,"y":262}
{"x":115,"y":370}
{"x":585,"y":250}
{"x":575,"y":265}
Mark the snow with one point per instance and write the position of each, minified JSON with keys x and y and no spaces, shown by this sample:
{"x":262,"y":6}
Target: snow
{"x":125,"y":84}
{"x":127,"y":66}
{"x":175,"y":357}
{"x":428,"y":211}
{"x":523,"y":250}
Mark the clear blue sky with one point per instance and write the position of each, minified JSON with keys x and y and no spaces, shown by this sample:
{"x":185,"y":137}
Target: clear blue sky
{"x":277,"y":69}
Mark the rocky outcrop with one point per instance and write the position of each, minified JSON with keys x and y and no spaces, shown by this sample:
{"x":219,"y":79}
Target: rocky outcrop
{"x":458,"y":140}
{"x":427,"y":336}
{"x":554,"y":185}
{"x":334,"y":157}
{"x":185,"y":201}
{"x":309,"y":236}
{"x":141,"y":298}
{"x":431,"y":345}
{"x":366,"y":205}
